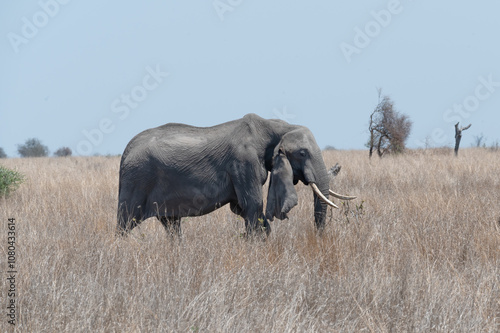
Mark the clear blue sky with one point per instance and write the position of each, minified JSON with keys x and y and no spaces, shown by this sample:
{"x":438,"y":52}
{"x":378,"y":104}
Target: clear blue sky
{"x":92,"y":74}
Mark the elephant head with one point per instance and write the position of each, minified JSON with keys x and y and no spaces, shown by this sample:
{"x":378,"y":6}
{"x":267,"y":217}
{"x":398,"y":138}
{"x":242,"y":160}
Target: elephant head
{"x":281,"y":196}
{"x":298,"y":157}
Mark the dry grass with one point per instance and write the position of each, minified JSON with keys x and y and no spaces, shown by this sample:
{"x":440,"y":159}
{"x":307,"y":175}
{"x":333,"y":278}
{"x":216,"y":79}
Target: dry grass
{"x":419,"y":251}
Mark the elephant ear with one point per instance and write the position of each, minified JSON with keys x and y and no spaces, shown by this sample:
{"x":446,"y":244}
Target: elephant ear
{"x":281,"y":196}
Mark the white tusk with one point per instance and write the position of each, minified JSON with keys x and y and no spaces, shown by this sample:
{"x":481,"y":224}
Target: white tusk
{"x":321,"y":196}
{"x":340,"y":196}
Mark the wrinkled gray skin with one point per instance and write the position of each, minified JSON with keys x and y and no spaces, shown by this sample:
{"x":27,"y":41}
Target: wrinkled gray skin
{"x":177,"y":170}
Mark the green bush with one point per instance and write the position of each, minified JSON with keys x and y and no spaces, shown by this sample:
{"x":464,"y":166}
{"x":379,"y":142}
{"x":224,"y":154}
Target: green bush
{"x":9,"y":181}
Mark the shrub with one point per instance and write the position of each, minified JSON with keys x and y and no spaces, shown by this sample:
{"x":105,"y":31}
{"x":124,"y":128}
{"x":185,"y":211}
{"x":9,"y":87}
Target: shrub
{"x":2,"y":153}
{"x":32,"y":148}
{"x":9,"y":181}
{"x":63,"y":152}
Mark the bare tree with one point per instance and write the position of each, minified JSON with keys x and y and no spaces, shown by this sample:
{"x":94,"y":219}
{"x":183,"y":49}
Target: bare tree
{"x":495,"y":146}
{"x":479,"y":141}
{"x":458,"y":136}
{"x":334,"y":170}
{"x":388,"y":128}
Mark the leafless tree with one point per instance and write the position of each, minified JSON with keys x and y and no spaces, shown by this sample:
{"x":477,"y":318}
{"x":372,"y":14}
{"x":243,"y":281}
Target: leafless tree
{"x":334,"y":170}
{"x":388,"y":128}
{"x":479,"y":141}
{"x":458,"y":135}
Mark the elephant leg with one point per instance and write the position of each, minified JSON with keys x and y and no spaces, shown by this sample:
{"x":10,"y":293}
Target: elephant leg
{"x":172,"y":225}
{"x":254,"y":223}
{"x":255,"y":220}
{"x":247,"y":182}
{"x":235,"y":208}
{"x":123,"y":229}
{"x":126,"y":221}
{"x":252,"y":212}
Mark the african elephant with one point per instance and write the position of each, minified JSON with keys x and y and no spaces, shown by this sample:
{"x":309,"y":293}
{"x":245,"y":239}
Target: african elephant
{"x":177,"y":170}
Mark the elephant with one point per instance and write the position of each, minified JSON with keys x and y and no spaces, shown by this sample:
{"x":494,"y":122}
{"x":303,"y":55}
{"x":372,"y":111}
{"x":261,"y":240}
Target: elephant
{"x":176,"y":170}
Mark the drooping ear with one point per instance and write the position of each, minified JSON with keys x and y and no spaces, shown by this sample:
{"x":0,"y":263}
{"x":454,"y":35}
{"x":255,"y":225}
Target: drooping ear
{"x":281,"y":196}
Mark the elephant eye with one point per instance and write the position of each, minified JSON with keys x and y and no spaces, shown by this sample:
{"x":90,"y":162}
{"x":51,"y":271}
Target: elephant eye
{"x":302,"y":153}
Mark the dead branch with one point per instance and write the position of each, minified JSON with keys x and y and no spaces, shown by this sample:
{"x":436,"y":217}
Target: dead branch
{"x":458,"y":136}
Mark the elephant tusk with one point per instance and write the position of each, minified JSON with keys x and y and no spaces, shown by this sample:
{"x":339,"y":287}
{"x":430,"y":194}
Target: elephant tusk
{"x":340,"y":196}
{"x":321,"y":196}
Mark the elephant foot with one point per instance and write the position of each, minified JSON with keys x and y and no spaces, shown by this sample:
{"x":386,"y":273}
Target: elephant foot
{"x":172,"y":225}
{"x":261,"y":229}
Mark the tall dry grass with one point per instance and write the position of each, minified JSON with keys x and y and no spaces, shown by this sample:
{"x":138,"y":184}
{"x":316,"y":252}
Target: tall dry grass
{"x":419,"y":251}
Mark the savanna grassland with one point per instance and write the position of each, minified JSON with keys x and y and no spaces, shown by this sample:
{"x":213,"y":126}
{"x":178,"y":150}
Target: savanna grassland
{"x":418,"y":251}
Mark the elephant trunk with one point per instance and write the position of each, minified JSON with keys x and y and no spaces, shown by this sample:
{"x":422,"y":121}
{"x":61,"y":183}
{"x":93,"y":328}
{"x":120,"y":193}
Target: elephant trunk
{"x":320,"y":206}
{"x":317,"y":177}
